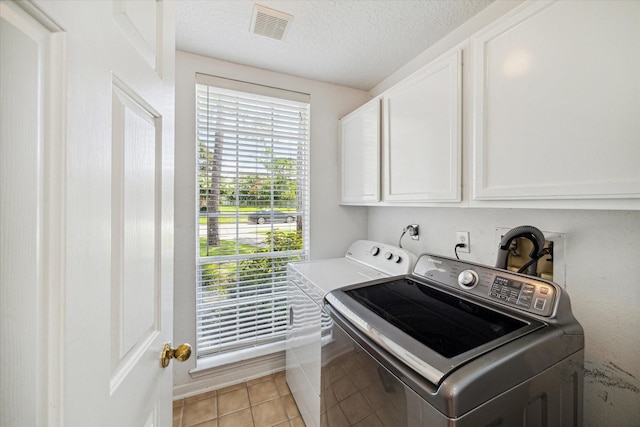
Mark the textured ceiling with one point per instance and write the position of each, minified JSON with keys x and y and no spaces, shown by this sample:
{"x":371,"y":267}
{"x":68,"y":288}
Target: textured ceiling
{"x":354,"y":43}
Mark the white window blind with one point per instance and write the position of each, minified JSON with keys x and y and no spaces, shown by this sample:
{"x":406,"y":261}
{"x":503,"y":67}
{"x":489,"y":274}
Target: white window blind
{"x":253,"y":179}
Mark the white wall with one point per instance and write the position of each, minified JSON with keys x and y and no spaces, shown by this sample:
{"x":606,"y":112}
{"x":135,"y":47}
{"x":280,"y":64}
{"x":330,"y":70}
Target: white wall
{"x":602,"y":258}
{"x":333,"y":227}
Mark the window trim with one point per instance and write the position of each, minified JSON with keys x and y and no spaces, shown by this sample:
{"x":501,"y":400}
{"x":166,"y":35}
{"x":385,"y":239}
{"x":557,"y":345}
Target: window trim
{"x":252,"y":88}
{"x":209,"y":361}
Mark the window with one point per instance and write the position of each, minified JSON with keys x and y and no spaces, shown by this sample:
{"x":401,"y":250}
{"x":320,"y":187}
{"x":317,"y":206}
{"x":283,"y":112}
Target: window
{"x":252,"y":171}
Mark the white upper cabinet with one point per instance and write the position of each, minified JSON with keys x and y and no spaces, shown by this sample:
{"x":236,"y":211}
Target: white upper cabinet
{"x":360,"y":138}
{"x":556,"y":103}
{"x":422,"y":135}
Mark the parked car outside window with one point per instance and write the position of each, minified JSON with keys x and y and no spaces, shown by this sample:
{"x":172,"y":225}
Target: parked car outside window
{"x":261,"y":217}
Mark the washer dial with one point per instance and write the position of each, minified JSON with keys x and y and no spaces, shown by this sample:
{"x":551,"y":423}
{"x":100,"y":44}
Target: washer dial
{"x":468,"y":279}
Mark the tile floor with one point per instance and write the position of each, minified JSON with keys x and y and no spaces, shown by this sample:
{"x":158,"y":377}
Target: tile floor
{"x":263,"y":402}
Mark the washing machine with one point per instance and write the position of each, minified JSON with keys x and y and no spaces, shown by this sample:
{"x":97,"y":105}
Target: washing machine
{"x":454,"y":343}
{"x":309,"y":328}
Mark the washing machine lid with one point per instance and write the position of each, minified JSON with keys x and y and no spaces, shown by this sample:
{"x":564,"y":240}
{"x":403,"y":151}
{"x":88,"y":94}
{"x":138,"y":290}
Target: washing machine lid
{"x":432,"y":331}
{"x":329,"y":274}
{"x":364,"y":261}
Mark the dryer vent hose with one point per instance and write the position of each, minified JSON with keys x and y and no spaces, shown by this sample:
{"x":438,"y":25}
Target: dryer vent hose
{"x":529,"y":232}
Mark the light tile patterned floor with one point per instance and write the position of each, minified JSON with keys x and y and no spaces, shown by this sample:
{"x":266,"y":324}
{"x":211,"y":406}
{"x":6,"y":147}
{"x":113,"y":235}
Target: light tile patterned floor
{"x":263,"y":402}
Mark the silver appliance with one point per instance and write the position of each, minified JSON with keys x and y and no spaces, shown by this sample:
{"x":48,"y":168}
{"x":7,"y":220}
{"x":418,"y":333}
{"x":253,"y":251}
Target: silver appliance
{"x":452,"y":344}
{"x":309,"y":327}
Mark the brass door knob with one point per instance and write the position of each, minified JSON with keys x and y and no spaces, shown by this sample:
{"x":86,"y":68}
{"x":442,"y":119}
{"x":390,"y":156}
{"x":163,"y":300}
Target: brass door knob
{"x":182,"y":353}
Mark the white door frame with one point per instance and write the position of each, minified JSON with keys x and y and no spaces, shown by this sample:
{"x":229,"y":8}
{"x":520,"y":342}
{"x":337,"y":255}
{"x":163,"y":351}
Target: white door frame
{"x":45,"y":237}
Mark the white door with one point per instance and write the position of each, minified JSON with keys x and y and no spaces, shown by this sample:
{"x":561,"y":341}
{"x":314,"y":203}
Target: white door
{"x":86,"y":193}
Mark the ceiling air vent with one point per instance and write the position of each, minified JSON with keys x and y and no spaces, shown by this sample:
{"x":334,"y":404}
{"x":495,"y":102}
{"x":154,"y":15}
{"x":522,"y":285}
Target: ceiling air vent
{"x":269,"y":23}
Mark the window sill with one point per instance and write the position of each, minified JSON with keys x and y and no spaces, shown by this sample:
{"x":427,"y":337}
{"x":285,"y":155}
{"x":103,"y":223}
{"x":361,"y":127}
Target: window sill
{"x":206,"y":365}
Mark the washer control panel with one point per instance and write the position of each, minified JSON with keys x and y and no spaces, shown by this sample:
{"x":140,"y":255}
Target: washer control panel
{"x":526,"y":293}
{"x":389,"y":259}
{"x":522,"y":294}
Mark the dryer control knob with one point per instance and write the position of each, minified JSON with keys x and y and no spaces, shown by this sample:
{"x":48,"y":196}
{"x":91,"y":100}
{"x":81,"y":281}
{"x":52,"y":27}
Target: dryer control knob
{"x":388,"y":255}
{"x":396,"y":259}
{"x":468,"y":279}
{"x":375,"y":250}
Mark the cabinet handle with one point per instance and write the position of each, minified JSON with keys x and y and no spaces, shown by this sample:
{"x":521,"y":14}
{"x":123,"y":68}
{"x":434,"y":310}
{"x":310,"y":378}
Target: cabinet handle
{"x":290,"y":316}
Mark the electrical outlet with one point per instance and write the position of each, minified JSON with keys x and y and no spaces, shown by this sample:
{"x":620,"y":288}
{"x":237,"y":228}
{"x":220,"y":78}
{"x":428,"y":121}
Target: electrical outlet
{"x":414,"y":232}
{"x":463,"y":238}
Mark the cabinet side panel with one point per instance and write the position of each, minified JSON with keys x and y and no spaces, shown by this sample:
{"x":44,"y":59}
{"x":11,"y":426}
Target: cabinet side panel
{"x":360,"y":139}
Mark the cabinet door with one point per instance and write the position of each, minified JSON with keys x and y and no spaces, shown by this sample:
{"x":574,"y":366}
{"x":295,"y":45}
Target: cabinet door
{"x":556,"y":100}
{"x":360,"y":138}
{"x":423,"y":134}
